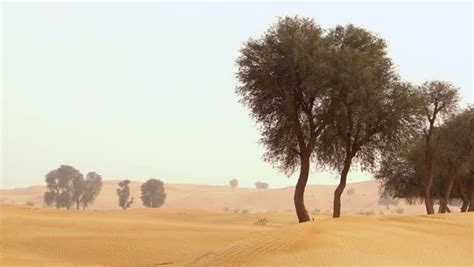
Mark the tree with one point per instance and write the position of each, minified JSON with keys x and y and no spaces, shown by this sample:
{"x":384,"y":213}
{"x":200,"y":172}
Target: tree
{"x":233,"y":183}
{"x":261,"y":185}
{"x":153,"y":193}
{"x":455,"y":150}
{"x":375,"y":111}
{"x":284,"y":82}
{"x":91,"y":189}
{"x":440,"y":100}
{"x":63,"y":186}
{"x":123,"y":192}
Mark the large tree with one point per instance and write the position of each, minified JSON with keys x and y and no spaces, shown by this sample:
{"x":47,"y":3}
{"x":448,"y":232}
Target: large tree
{"x":284,"y":82}
{"x":440,"y":100}
{"x":375,"y":111}
{"x":63,"y":186}
{"x":153,"y":193}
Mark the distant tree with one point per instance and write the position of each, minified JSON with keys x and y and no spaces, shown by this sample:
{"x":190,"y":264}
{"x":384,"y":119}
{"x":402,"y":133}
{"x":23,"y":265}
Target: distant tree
{"x":440,"y":99}
{"x":123,"y":192}
{"x":386,"y":201}
{"x":91,"y":189}
{"x":284,"y":83}
{"x":153,"y":193}
{"x":63,"y":186}
{"x":350,"y":191}
{"x":234,"y":183}
{"x":261,"y":186}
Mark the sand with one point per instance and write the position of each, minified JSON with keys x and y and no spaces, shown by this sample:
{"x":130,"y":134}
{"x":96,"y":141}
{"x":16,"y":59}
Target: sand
{"x":218,"y":198}
{"x":175,"y":237}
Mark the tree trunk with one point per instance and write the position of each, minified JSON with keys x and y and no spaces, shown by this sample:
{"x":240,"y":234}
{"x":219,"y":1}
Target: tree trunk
{"x":340,"y":188}
{"x":465,"y":198}
{"x":471,"y":198}
{"x":300,"y":208}
{"x":77,"y":204}
{"x":449,"y":186}
{"x":429,"y":183}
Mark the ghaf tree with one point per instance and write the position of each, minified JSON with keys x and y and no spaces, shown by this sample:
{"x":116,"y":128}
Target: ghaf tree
{"x":153,"y":193}
{"x":284,"y":82}
{"x":123,"y":193}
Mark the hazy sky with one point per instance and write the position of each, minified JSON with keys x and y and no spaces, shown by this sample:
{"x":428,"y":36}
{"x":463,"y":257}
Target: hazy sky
{"x":146,"y":90}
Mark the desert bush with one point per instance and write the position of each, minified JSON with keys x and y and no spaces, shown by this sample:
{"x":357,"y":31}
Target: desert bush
{"x":399,"y":210}
{"x":262,"y":221}
{"x":366,"y":213}
{"x":29,"y":203}
{"x":236,"y":210}
{"x":226,"y":209}
{"x":381,"y":212}
{"x":245,"y":212}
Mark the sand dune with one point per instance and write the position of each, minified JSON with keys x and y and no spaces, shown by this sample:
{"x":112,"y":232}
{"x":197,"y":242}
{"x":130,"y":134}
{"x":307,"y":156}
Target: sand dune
{"x":156,"y":237}
{"x":443,"y":239}
{"x":217,"y":198}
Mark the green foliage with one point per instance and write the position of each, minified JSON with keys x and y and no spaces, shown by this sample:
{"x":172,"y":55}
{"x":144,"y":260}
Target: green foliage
{"x":284,"y":82}
{"x":153,"y":193}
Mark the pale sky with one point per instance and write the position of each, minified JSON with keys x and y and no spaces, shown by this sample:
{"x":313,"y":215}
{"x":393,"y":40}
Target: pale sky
{"x":146,"y":90}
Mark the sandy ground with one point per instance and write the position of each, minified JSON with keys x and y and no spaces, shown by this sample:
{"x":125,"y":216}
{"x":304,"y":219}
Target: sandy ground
{"x":164,"y":237}
{"x":218,"y":198}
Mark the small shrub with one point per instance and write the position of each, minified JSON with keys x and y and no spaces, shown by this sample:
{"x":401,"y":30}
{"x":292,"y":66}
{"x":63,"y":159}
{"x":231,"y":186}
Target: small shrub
{"x":366,"y":213}
{"x":30,"y":203}
{"x":226,"y":209}
{"x":236,"y":210}
{"x":399,"y":210}
{"x":262,"y":221}
{"x":381,"y":212}
{"x":245,"y":211}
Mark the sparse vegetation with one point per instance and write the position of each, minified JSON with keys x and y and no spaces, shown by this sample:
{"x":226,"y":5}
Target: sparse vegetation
{"x":399,"y":210}
{"x":245,"y":211}
{"x":29,"y":203}
{"x":262,"y":221}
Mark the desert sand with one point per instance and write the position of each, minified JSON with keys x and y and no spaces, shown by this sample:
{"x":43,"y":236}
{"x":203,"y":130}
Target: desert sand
{"x":218,"y":198}
{"x":169,"y":236}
